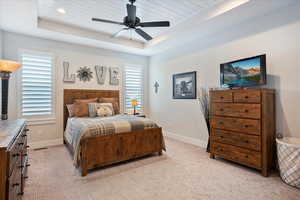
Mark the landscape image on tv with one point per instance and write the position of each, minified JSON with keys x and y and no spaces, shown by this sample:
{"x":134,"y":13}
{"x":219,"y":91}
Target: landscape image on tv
{"x":246,"y":72}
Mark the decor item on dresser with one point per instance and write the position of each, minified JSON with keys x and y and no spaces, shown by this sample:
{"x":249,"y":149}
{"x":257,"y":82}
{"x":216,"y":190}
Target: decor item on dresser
{"x":204,"y":102}
{"x":244,"y":73}
{"x":101,"y":74}
{"x":243,"y":127}
{"x":156,"y":85}
{"x":96,"y":142}
{"x":13,"y":158}
{"x":6,"y":67}
{"x":185,"y":86}
{"x":84,"y":74}
{"x":68,"y":78}
{"x":114,"y":76}
{"x":134,"y":104}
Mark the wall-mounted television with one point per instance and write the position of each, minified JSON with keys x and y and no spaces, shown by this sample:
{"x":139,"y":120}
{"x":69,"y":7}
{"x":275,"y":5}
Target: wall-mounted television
{"x":246,"y":72}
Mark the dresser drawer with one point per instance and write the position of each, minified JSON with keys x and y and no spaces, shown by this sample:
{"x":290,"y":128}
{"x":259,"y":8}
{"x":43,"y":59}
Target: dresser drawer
{"x":236,"y":110}
{"x":217,"y":96}
{"x":251,"y":142}
{"x":250,"y":126}
{"x":15,"y":155}
{"x":247,"y":97}
{"x":236,"y":154}
{"x":14,"y":184}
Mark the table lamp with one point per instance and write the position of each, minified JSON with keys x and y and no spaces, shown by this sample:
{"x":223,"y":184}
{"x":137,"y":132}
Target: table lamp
{"x":6,"y":67}
{"x":134,"y":103}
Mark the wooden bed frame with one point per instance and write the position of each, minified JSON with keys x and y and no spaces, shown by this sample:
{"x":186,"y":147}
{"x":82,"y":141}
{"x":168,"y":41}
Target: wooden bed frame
{"x":102,"y":150}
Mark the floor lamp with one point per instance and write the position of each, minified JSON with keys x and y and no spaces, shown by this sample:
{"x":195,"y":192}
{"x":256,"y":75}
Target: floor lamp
{"x":6,"y":67}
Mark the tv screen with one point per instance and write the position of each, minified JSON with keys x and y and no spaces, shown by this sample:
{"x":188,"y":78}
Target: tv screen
{"x":245,"y":72}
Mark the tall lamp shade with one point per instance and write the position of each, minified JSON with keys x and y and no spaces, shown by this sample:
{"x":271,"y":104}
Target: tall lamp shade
{"x":6,"y":67}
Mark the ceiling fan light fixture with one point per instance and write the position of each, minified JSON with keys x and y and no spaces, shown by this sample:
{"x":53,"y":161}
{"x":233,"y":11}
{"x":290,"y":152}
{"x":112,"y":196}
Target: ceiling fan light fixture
{"x":61,"y":11}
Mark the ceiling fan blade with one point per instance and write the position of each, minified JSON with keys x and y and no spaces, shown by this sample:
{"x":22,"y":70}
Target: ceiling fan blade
{"x":131,"y":12}
{"x":119,"y":32}
{"x":155,"y":24}
{"x":143,"y":34}
{"x":106,"y":21}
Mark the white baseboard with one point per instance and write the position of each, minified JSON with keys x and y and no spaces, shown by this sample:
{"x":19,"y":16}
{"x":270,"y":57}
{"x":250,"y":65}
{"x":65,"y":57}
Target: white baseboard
{"x":190,"y":140}
{"x":46,"y":143}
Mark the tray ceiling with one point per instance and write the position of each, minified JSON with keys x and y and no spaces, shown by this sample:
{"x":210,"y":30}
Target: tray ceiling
{"x":80,"y":12}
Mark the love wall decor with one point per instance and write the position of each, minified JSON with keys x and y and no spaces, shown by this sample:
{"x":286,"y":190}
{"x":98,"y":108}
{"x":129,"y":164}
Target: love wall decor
{"x":85,"y":74}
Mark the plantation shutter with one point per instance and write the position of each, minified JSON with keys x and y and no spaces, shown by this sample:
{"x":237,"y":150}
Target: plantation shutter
{"x":134,"y":88}
{"x":36,"y":85}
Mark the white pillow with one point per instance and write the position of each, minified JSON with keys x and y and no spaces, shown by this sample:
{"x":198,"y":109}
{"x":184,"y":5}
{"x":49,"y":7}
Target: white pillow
{"x":105,"y":111}
{"x":93,"y":107}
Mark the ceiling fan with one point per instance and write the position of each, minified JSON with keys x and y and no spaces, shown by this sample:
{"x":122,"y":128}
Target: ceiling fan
{"x":132,"y":22}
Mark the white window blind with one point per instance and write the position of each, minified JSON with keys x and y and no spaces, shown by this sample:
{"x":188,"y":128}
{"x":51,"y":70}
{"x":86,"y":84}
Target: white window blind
{"x":36,"y":85}
{"x":134,"y":88}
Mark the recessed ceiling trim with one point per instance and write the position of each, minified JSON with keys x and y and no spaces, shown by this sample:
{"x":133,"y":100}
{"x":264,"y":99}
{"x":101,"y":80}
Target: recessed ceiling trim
{"x":55,"y":26}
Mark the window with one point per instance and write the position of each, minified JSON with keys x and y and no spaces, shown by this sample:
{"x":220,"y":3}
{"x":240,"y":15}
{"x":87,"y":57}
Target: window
{"x":133,"y":88}
{"x":36,"y":85}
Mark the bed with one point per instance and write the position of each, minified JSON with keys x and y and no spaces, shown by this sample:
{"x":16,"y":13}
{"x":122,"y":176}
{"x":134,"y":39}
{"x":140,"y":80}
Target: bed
{"x":96,"y":147}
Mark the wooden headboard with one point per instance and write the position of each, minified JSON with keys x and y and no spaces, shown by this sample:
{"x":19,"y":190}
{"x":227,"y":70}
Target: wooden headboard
{"x":71,"y":94}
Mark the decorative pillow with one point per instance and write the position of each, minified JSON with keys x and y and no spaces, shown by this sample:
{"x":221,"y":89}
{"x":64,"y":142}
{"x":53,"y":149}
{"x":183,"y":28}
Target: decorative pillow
{"x":70,"y":108}
{"x":81,"y":108}
{"x":104,"y":111}
{"x":113,"y":101}
{"x":93,"y":107}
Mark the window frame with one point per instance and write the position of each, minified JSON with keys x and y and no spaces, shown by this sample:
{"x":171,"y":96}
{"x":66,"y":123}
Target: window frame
{"x":39,"y":119}
{"x":142,"y":87}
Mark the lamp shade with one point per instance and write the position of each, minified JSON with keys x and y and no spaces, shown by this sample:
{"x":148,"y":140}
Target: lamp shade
{"x":9,"y":66}
{"x":134,"y":102}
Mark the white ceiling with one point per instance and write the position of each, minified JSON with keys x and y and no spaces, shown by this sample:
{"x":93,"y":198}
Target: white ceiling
{"x":190,"y":20}
{"x":79,"y":13}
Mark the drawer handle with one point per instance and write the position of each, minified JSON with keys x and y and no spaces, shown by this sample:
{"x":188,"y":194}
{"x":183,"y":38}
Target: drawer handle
{"x":221,"y":97}
{"x":21,"y":143}
{"x":25,"y":154}
{"x":26,"y":129}
{"x":219,"y":149}
{"x":246,"y":111}
{"x":221,"y":136}
{"x":16,"y":184}
{"x":246,"y":156}
{"x":16,"y":155}
{"x":27,"y":165}
{"x":246,"y":97}
{"x":25,"y":177}
{"x":246,"y":141}
{"x":24,"y":135}
{"x":221,"y":123}
{"x":221,"y":109}
{"x":27,"y":147}
{"x":246,"y":126}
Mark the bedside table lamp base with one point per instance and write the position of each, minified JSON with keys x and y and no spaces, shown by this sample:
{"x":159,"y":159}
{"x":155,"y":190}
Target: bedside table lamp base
{"x":5,"y":77}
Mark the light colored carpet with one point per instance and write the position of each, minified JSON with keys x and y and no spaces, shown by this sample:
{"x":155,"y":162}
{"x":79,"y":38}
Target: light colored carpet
{"x":184,"y":172}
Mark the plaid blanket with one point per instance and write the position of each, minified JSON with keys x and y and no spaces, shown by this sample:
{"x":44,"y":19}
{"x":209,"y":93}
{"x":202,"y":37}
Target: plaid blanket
{"x":78,"y":128}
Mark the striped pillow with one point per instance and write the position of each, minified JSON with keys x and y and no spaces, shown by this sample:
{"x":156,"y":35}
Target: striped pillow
{"x":93,"y":107}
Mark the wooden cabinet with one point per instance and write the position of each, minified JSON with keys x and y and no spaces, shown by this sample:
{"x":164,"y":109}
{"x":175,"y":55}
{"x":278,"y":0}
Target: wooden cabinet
{"x":243,"y":126}
{"x":13,"y":159}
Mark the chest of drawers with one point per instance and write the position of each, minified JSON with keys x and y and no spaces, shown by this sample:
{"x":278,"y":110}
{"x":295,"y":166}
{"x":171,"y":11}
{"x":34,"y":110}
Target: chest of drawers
{"x":243,"y":127}
{"x":13,"y":159}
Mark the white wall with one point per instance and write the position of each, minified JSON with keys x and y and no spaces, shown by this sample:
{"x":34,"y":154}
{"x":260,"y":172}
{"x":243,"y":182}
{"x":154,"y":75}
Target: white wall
{"x":1,"y":43}
{"x":268,"y":35}
{"x":77,"y":56}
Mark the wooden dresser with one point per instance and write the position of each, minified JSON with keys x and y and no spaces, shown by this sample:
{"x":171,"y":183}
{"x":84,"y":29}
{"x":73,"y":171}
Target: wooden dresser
{"x":243,"y":127}
{"x":13,"y":159}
